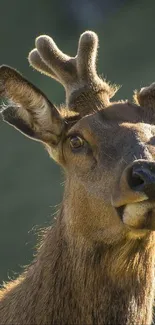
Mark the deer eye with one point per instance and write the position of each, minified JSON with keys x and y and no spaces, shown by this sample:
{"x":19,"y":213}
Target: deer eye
{"x":76,"y":142}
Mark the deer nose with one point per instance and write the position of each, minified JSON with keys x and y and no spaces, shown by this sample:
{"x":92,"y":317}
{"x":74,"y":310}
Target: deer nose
{"x":141,"y":178}
{"x":137,"y":183}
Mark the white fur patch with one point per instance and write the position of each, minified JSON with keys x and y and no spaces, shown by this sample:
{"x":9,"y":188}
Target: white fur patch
{"x":135,"y":214}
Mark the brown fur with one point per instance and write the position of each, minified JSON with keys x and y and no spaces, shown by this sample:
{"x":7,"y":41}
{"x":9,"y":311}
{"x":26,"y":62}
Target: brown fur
{"x":93,"y":267}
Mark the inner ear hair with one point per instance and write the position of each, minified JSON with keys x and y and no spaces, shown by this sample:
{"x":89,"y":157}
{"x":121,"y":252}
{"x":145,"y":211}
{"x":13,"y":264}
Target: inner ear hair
{"x":30,"y":110}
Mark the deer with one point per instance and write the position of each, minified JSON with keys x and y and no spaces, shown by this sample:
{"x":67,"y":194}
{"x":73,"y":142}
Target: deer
{"x":95,"y":264}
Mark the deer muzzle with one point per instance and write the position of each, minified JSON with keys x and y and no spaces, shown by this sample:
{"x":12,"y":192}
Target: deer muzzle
{"x":134,"y":198}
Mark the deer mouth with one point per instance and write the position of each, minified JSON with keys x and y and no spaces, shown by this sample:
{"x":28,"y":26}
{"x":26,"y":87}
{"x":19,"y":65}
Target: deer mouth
{"x":139,"y":215}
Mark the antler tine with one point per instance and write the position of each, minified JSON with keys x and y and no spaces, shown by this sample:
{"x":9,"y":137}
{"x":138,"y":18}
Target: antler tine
{"x":86,"y":56}
{"x":36,"y":61}
{"x":77,"y":74}
{"x":59,"y":62}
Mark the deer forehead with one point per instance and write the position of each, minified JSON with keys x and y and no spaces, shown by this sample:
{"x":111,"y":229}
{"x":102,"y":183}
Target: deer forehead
{"x":98,"y":126}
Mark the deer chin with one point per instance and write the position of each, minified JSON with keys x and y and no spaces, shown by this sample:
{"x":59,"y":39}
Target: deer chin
{"x":138,"y":216}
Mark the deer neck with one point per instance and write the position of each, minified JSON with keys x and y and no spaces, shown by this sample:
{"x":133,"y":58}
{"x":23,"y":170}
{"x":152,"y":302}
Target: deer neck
{"x":96,"y":284}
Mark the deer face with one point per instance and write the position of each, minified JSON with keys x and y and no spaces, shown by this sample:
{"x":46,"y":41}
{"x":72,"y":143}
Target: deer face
{"x":107,"y":149}
{"x":109,"y":158}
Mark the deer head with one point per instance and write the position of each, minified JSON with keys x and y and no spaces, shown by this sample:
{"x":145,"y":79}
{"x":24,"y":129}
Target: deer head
{"x":106,"y":148}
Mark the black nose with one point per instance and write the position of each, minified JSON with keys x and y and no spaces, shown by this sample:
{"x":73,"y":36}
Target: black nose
{"x":141,"y":178}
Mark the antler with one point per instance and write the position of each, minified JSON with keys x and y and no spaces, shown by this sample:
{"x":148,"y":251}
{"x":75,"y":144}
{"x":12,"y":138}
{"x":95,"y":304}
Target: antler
{"x":77,"y":74}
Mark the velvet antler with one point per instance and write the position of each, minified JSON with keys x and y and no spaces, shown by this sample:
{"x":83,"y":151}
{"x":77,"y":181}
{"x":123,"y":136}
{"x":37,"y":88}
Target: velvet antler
{"x":77,"y":74}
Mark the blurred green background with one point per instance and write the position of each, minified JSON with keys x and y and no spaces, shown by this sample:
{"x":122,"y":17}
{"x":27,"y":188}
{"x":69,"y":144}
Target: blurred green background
{"x":30,"y":183}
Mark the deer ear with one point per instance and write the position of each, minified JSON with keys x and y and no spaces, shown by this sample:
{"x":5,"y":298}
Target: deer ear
{"x":29,"y":110}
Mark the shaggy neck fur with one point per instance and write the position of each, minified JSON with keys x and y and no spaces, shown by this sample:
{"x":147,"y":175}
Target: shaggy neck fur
{"x":71,"y":283}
